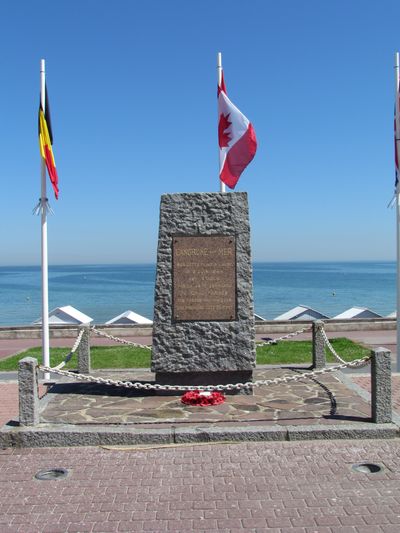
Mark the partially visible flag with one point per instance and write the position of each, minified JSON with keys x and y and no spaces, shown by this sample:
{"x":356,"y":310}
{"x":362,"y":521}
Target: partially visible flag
{"x":46,"y":142}
{"x":236,"y":137}
{"x":397,"y":136}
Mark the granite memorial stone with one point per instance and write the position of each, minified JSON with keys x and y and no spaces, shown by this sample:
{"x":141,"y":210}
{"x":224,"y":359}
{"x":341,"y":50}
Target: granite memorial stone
{"x":203,"y":332}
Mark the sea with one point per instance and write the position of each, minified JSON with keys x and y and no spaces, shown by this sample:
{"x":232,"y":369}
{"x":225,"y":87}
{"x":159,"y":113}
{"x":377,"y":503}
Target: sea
{"x":105,"y":291}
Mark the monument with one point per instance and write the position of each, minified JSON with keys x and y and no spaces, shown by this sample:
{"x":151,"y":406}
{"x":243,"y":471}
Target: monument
{"x":203,"y":332}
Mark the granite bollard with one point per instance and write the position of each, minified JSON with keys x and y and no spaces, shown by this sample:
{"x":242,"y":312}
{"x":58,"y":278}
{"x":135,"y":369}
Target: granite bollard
{"x":84,"y":352}
{"x":28,"y":391}
{"x":381,"y":386}
{"x":318,"y":348}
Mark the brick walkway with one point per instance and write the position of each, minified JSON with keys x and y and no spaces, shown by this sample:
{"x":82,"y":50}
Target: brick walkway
{"x":303,"y":487}
{"x":365,"y":383}
{"x":9,"y":401}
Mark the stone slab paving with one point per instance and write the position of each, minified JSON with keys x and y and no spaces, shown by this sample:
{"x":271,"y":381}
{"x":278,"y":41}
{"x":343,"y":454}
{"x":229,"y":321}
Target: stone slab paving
{"x":277,"y":487}
{"x":321,"y":400}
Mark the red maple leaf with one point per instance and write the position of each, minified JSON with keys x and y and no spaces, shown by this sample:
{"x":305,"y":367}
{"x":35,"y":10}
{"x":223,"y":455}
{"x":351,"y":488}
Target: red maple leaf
{"x":224,"y":136}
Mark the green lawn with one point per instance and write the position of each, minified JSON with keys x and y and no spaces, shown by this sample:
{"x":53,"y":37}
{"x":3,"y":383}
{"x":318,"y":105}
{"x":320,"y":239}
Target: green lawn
{"x":295,"y":352}
{"x":287,"y":352}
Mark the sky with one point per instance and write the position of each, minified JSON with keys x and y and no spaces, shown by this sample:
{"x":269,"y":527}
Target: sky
{"x":132,"y":87}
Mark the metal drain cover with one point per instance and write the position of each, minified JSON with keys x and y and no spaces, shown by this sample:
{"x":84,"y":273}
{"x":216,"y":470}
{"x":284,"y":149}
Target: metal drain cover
{"x":367,"y":468}
{"x":51,"y":474}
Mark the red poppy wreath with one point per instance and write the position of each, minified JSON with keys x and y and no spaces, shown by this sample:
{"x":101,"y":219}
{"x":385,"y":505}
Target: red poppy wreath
{"x":202,"y":398}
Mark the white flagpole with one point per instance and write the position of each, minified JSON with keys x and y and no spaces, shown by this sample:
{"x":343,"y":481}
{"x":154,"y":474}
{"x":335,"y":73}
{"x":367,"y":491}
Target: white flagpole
{"x":397,"y":192}
{"x":43,"y":205}
{"x":222,"y":187}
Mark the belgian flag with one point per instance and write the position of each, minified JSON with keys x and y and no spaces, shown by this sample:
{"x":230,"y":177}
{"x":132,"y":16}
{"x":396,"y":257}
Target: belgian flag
{"x":46,"y":142}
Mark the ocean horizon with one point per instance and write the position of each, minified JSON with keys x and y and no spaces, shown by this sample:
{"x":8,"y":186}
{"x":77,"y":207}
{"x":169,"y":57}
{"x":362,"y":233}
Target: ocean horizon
{"x":103,"y":291}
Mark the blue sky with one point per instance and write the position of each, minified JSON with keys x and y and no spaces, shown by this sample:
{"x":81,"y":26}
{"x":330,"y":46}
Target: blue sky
{"x":132,"y":87}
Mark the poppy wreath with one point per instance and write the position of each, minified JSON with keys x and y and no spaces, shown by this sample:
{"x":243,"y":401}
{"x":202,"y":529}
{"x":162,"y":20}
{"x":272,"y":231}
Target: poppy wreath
{"x":202,"y":398}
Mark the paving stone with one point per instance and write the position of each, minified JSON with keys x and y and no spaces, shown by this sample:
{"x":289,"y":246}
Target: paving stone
{"x":55,"y":528}
{"x":327,"y":521}
{"x":105,"y":527}
{"x":295,"y":529}
{"x":180,"y":525}
{"x":125,"y":526}
{"x":254,"y":523}
{"x":303,"y":521}
{"x":81,"y":526}
{"x":204,"y":524}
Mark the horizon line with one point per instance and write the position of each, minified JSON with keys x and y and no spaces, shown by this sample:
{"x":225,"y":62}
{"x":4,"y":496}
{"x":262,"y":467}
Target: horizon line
{"x":152,"y":263}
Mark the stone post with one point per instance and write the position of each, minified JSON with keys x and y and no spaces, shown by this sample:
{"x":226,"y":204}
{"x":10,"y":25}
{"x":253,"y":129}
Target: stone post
{"x":84,"y":352}
{"x":319,"y":359}
{"x":381,"y":386}
{"x":28,"y":391}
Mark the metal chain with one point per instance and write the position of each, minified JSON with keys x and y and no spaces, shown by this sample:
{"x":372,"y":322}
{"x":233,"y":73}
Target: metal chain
{"x":288,"y":336}
{"x":147,"y":347}
{"x":181,"y":388}
{"x":117,"y":339}
{"x":68,"y":357}
{"x":330,"y":347}
{"x":228,"y":387}
{"x":78,"y":340}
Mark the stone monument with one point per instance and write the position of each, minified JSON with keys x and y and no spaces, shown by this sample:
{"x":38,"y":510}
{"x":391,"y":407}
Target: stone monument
{"x":203,"y":331}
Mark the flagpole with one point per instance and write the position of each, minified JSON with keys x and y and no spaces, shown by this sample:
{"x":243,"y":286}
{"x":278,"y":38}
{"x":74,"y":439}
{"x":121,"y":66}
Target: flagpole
{"x":397,"y":192}
{"x":43,"y":204}
{"x":222,"y":186}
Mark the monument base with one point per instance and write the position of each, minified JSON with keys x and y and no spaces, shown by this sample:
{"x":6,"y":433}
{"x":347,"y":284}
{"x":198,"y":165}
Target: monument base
{"x":205,"y":378}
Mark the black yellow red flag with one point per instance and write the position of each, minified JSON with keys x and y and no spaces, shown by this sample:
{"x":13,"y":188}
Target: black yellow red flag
{"x":46,"y":144}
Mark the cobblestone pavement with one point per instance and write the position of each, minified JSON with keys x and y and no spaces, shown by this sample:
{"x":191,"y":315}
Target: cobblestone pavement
{"x":277,"y":487}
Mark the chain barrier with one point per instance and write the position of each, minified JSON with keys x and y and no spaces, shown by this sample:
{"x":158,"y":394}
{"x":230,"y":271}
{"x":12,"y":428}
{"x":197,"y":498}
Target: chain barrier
{"x":330,"y":347}
{"x":288,"y":336}
{"x":147,"y":347}
{"x":228,"y":387}
{"x":68,"y":357}
{"x":117,"y":339}
{"x":183,"y":388}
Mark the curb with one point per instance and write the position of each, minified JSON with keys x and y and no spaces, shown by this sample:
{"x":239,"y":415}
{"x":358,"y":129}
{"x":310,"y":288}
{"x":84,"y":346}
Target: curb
{"x":43,"y":435}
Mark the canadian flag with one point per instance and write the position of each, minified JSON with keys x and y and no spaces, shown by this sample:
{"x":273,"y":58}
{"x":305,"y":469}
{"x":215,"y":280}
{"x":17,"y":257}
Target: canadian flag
{"x":236,"y":137}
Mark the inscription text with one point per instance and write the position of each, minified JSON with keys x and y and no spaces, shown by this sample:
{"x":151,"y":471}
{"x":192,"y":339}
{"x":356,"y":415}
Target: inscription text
{"x":204,"y":278}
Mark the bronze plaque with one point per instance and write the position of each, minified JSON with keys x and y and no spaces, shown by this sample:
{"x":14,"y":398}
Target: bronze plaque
{"x":204,"y":278}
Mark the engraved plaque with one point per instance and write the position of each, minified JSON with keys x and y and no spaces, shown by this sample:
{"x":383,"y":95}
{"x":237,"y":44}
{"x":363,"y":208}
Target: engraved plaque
{"x":204,"y":278}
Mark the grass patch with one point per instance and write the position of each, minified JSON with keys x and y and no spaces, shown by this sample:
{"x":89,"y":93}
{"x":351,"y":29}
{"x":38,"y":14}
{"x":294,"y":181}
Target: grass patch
{"x":100,"y":357}
{"x":297,"y":352}
{"x":286,"y":352}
